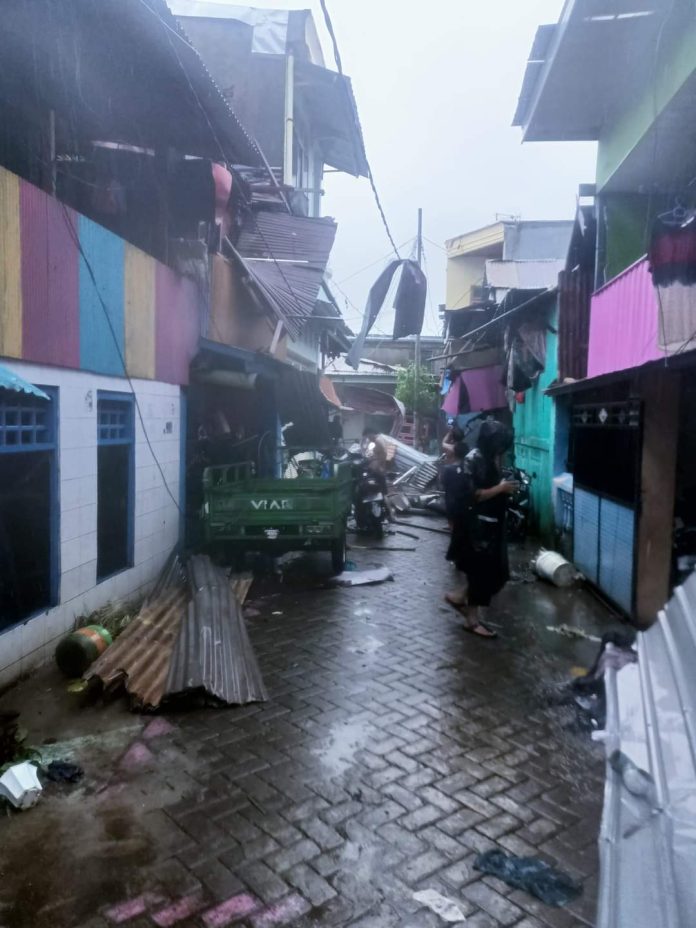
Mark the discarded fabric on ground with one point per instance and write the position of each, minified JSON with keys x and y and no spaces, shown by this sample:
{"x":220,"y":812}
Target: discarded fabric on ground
{"x":548,"y":884}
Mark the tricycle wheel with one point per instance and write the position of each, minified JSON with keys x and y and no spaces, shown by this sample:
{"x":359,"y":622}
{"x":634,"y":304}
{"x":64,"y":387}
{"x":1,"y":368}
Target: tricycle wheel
{"x":338,"y":554}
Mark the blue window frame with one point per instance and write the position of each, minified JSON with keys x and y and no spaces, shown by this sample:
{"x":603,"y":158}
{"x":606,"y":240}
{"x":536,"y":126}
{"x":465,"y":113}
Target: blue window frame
{"x":115,"y":482}
{"x":29,"y":505}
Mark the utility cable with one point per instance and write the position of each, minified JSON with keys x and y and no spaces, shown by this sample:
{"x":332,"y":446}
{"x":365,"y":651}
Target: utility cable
{"x":370,"y":175}
{"x":88,"y":265}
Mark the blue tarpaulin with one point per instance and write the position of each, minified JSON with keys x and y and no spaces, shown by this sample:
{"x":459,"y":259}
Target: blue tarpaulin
{"x":11,"y":381}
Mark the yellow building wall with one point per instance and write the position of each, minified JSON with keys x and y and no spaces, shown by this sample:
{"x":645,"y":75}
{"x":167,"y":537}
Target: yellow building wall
{"x":10,"y":267}
{"x":139,"y":285}
{"x":463,"y":273}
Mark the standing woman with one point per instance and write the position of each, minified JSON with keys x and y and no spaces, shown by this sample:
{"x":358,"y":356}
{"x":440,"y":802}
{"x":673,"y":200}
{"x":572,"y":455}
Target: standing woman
{"x":481,"y":549}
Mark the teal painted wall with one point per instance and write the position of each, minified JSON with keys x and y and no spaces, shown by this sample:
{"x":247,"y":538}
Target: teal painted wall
{"x":534,"y":422}
{"x":102,"y":346}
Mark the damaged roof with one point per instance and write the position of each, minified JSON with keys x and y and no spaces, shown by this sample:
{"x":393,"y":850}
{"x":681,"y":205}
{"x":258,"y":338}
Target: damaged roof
{"x":286,"y":257}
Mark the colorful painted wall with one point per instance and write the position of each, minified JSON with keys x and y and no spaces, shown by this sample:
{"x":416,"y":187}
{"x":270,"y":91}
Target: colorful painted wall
{"x":534,"y":422}
{"x":119,"y":305}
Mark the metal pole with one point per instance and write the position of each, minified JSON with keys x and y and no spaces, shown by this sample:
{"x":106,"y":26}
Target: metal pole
{"x":417,"y":359}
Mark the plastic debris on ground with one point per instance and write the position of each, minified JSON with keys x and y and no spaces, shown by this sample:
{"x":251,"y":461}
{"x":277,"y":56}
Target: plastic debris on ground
{"x":185,"y":639}
{"x":63,"y":771}
{"x":555,"y":568}
{"x":569,"y":631}
{"x":363,"y":577}
{"x":448,"y":910}
{"x":20,"y":785}
{"x":546,"y":883}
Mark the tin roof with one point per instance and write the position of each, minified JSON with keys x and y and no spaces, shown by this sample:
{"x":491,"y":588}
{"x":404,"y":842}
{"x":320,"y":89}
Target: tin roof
{"x":213,"y":653}
{"x":118,"y":70}
{"x":11,"y":381}
{"x":185,"y":639}
{"x":287,"y":256}
{"x":648,"y":834}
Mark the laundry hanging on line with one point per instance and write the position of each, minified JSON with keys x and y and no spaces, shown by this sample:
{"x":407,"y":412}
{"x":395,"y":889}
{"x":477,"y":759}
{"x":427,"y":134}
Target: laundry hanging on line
{"x":409,"y":304}
{"x":672,"y":264}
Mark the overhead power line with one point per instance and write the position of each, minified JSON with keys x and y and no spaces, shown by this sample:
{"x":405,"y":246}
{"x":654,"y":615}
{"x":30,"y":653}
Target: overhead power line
{"x":370,"y":175}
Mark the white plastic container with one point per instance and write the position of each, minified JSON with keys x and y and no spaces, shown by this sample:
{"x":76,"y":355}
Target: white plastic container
{"x":553,"y":567}
{"x":20,"y":784}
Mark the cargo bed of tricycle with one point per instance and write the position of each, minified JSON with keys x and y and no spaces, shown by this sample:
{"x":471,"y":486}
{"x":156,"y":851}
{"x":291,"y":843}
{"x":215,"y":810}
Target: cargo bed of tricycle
{"x":242,"y":512}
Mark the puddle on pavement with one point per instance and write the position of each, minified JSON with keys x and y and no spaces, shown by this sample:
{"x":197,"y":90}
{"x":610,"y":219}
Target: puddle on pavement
{"x":345,"y":740}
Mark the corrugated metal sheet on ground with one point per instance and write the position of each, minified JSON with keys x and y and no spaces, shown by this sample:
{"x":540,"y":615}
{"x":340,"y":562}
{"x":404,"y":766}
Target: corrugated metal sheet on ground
{"x":648,"y":835}
{"x":213,"y":652}
{"x":168,"y":635}
{"x":141,"y":656}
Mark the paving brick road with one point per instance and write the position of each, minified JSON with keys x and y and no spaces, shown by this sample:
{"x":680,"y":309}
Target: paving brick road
{"x":392,"y":750}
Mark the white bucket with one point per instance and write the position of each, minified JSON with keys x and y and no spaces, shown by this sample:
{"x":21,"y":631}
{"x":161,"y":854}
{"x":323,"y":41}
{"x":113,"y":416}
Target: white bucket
{"x":553,"y":567}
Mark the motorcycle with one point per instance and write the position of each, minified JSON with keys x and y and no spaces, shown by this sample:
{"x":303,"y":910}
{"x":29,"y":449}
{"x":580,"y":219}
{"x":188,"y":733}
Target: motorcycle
{"x":519,"y":507}
{"x":369,"y":496}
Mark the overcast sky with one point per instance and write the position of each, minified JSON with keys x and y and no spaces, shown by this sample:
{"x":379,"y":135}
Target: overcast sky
{"x":436,"y":85}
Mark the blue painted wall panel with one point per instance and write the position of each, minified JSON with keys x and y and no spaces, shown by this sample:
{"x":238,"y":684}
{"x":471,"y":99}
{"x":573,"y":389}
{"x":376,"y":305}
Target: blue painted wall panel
{"x":101,"y":349}
{"x":617,"y":529}
{"x":586,"y":534}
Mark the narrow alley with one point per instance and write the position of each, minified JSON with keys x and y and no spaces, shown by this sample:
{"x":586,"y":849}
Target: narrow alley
{"x":392,"y":750}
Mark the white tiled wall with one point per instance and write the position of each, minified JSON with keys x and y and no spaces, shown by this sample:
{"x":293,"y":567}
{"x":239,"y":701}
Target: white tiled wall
{"x":156,"y":527}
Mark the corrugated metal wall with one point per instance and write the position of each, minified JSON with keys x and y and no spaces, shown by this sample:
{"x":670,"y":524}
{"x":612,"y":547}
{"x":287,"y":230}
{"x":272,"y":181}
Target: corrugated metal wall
{"x":624,"y":323}
{"x":102,"y":339}
{"x":575,"y":294}
{"x":10,"y":268}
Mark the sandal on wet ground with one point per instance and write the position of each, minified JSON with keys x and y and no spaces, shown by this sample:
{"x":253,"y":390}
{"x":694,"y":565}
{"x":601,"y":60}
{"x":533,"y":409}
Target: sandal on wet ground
{"x":480,"y":630}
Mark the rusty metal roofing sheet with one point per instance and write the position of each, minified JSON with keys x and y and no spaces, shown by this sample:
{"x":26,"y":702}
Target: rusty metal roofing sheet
{"x":213,"y":652}
{"x":140,"y":657}
{"x":149,"y":659}
{"x":648,"y":835}
{"x":287,"y":257}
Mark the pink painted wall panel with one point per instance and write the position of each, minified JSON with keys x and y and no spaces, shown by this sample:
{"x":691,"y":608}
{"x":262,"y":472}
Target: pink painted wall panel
{"x":50,"y":290}
{"x":624,"y":323}
{"x":177,"y":325}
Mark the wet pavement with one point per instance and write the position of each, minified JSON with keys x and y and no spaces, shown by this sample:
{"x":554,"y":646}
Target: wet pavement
{"x":393,"y":749}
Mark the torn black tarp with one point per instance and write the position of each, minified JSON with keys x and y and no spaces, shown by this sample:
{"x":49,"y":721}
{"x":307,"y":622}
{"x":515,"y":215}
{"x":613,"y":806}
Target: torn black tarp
{"x":409,"y":304}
